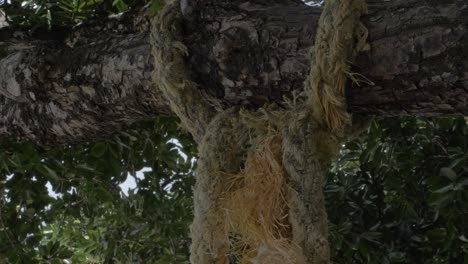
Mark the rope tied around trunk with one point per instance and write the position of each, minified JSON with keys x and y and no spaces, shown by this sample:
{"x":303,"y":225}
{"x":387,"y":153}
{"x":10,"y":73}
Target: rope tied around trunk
{"x":172,"y":75}
{"x":340,"y":37}
{"x":246,"y":205}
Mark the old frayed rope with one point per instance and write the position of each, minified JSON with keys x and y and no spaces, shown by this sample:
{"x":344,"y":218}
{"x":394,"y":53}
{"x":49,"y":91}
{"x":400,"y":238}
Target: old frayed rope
{"x":246,"y":203}
{"x":340,"y":37}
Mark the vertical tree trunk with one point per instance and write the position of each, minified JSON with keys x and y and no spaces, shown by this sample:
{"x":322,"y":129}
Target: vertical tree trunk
{"x":307,"y":150}
{"x":258,"y":194}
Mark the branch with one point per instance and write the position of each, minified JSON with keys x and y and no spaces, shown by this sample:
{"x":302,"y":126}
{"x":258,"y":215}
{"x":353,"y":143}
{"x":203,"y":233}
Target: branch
{"x":252,"y":54}
{"x":87,"y":84}
{"x":98,"y":76}
{"x":418,"y":60}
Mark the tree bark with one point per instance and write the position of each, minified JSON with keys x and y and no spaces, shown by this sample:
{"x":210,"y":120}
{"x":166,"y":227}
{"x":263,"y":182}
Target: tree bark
{"x":244,"y":53}
{"x":418,"y":59}
{"x":63,"y":87}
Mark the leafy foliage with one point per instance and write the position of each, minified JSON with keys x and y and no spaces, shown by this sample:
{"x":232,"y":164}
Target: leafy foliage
{"x":67,"y":13}
{"x":61,"y":13}
{"x":90,"y":220}
{"x":397,"y":195}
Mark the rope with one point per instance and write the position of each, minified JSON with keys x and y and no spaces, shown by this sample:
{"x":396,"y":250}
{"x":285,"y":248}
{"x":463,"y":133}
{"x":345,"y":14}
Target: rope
{"x":340,"y":37}
{"x":172,"y":75}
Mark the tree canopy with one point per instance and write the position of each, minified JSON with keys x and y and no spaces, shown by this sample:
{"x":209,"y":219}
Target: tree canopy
{"x":397,"y":194}
{"x":67,"y":13}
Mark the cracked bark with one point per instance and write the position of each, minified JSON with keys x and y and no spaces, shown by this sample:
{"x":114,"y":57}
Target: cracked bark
{"x":419,"y":59}
{"x":80,"y":86}
{"x":244,"y":53}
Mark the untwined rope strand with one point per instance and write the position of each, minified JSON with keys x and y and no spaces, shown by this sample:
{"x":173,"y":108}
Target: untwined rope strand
{"x":173,"y":75}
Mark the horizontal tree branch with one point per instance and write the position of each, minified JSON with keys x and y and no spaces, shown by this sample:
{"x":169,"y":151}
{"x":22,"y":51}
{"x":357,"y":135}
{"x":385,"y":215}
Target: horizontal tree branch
{"x":62,"y":88}
{"x":82,"y":86}
{"x":418,"y":59}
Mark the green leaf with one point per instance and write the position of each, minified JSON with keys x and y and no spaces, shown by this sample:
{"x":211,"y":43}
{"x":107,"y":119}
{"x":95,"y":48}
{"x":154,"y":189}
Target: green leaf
{"x":449,"y":173}
{"x":65,"y":254}
{"x":397,"y":257}
{"x":437,"y":235}
{"x":86,"y":168}
{"x":156,"y":6}
{"x":120,"y":5}
{"x":463,"y":238}
{"x":48,"y":172}
{"x":445,"y":189}
{"x":442,"y":200}
{"x":98,"y":149}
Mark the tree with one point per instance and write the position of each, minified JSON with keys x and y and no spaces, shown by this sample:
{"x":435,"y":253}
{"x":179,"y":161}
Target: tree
{"x":77,"y":101}
{"x":58,"y":67}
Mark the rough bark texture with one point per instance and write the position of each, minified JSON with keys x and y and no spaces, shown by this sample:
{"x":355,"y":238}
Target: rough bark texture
{"x":418,"y":60}
{"x":80,"y":86}
{"x":250,"y":53}
{"x":242,"y":52}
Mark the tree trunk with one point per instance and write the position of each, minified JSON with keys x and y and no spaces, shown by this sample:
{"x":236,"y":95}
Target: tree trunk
{"x":98,"y":76}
